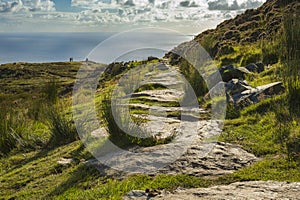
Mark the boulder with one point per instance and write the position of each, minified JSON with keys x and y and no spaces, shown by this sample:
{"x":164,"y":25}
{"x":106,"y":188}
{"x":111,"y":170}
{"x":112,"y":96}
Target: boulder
{"x":271,"y":89}
{"x":151,"y":58}
{"x":230,"y":72}
{"x":258,"y":67}
{"x":261,"y":67}
{"x":257,"y":94}
{"x":237,"y":86}
{"x":251,"y":67}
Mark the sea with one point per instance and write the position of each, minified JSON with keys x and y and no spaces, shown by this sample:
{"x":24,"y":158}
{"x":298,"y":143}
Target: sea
{"x":59,"y":47}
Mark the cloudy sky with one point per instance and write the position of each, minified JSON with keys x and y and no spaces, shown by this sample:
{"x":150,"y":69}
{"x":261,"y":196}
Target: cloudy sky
{"x":116,"y":15}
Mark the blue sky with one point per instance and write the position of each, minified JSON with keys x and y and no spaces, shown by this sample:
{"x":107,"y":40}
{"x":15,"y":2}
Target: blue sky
{"x":62,"y":5}
{"x":189,"y":16}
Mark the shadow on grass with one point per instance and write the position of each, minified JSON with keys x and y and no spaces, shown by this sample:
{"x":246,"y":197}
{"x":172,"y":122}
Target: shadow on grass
{"x":83,"y":178}
{"x":43,"y":153}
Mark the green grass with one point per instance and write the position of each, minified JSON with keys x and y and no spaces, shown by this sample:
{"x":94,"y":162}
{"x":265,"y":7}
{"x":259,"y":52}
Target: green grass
{"x":62,"y":129}
{"x":153,"y":86}
{"x":268,"y":76}
{"x":30,"y":77}
{"x":150,"y":102}
{"x":274,"y":168}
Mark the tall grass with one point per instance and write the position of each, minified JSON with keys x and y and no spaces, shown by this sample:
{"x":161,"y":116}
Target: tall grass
{"x":291,"y":59}
{"x":194,"y":78}
{"x":270,"y":51}
{"x":12,"y":131}
{"x":120,"y":136}
{"x":51,"y":91}
{"x":62,"y":128}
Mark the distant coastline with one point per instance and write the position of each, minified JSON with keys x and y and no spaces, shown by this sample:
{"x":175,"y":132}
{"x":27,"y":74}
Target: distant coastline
{"x":60,"y":47}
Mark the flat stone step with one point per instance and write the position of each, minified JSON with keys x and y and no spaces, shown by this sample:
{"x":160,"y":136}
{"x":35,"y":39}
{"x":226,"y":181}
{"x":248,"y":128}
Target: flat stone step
{"x":255,"y":190}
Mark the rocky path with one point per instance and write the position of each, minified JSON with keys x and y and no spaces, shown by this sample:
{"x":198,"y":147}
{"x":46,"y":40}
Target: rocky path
{"x":253,"y":190}
{"x":194,"y":150}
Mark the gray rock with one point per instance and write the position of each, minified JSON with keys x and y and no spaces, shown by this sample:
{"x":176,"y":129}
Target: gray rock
{"x":271,"y":89}
{"x":258,"y":94}
{"x":252,"y":190}
{"x":227,"y":73}
{"x":258,"y":67}
{"x":261,"y":67}
{"x":136,"y":194}
{"x":65,"y":161}
{"x":237,"y":86}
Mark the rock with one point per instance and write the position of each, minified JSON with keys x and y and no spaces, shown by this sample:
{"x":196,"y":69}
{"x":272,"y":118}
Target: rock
{"x":258,"y":67}
{"x":237,"y":86}
{"x":227,"y":73}
{"x":241,"y":94}
{"x":65,"y":161}
{"x":230,"y":72}
{"x":201,"y":159}
{"x":261,"y":67}
{"x":223,"y":159}
{"x":139,"y":194}
{"x":244,"y":70}
{"x":257,"y":94}
{"x":254,"y":190}
{"x":151,"y":58}
{"x":136,"y":194}
{"x":252,"y":67}
{"x":271,"y":89}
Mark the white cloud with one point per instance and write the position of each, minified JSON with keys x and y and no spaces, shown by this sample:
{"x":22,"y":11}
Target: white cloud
{"x":122,"y":11}
{"x":26,"y":5}
{"x":117,"y":13}
{"x":233,"y":4}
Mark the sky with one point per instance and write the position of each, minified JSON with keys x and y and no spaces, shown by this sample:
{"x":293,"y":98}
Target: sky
{"x":187,"y":16}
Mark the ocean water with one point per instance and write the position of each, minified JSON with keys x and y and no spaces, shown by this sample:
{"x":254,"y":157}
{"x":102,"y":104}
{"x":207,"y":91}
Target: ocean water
{"x":54,"y":47}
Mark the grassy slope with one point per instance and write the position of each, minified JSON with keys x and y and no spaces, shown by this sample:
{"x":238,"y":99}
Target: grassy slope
{"x":35,"y":174}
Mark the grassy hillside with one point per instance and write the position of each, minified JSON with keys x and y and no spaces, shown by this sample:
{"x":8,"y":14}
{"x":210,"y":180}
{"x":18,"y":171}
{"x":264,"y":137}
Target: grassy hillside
{"x":37,"y":129}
